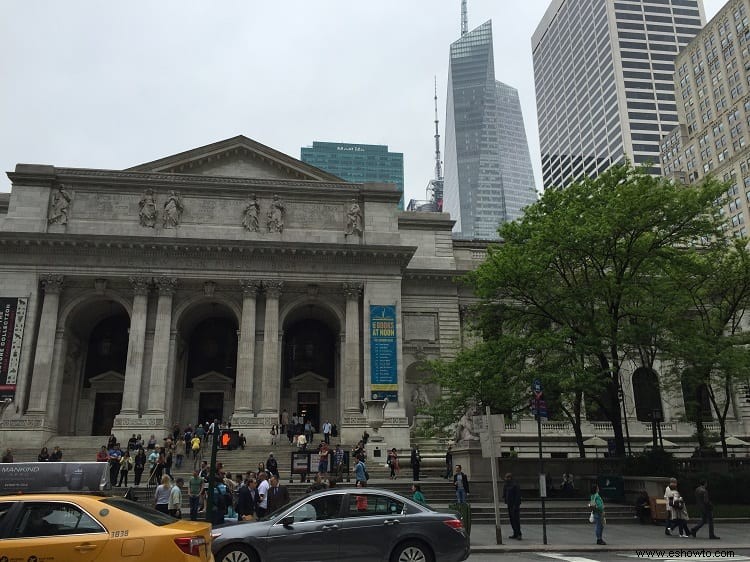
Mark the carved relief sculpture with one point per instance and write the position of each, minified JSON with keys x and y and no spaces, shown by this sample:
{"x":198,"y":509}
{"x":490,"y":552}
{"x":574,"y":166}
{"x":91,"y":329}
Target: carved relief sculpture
{"x":147,"y":209}
{"x":353,"y":219}
{"x":465,"y":428}
{"x":276,"y":215}
{"x":173,"y":210}
{"x":251,"y":215}
{"x":58,"y":211}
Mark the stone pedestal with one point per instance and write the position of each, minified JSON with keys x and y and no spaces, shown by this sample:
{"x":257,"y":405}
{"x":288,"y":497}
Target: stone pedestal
{"x":377,"y":453}
{"x":469,"y":455}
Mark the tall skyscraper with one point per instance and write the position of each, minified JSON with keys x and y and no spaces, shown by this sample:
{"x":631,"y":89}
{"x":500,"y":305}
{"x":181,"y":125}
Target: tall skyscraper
{"x":604,"y":89}
{"x":488,"y":174}
{"x":712,"y":85}
{"x":358,"y":162}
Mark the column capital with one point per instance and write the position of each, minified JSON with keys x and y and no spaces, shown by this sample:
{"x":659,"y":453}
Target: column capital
{"x":166,"y":285}
{"x":250,"y":287}
{"x":273,"y":287}
{"x":140,"y":285}
{"x":353,"y":290}
{"x":52,"y":283}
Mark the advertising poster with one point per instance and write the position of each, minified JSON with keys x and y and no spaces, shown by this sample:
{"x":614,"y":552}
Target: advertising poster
{"x":383,"y":353}
{"x":12,"y":320}
{"x":29,"y":477}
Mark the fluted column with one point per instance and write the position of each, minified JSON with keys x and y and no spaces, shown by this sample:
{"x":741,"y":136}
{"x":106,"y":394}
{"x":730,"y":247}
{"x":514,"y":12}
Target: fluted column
{"x":160,"y":355}
{"x":45,"y":345}
{"x":136,"y":341}
{"x":56,"y":380}
{"x":271,"y":373}
{"x":243,"y":398}
{"x":351,"y":375}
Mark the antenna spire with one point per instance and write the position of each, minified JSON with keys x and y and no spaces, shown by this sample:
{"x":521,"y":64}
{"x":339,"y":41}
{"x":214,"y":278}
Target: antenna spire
{"x":464,"y":18}
{"x":438,"y":166}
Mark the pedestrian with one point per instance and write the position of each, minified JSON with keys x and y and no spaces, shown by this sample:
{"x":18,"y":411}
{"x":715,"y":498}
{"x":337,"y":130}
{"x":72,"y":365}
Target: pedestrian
{"x":272,"y":465}
{"x":274,"y":434}
{"x":56,"y":455}
{"x":669,"y":493}
{"x":643,"y":508}
{"x":512,"y":498}
{"x":43,"y":455}
{"x":680,"y":514}
{"x":102,"y":455}
{"x":706,"y":509}
{"x":461,"y":483}
{"x":338,"y":461}
{"x":126,"y":463}
{"x":393,"y":463}
{"x":596,"y":504}
{"x":327,"y":431}
{"x":302,"y":442}
{"x":195,"y":487}
{"x":417,"y":495}
{"x":179,"y":449}
{"x":161,"y":494}
{"x":416,"y":461}
{"x":263,"y":485}
{"x":323,"y":452}
{"x":360,"y":472}
{"x":245,"y":502}
{"x":448,"y":463}
{"x":175,"y":499}
{"x":139,"y":464}
{"x":278,"y":495}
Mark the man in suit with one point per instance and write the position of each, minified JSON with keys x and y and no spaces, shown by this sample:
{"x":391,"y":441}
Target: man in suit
{"x":278,"y":495}
{"x":512,"y":497}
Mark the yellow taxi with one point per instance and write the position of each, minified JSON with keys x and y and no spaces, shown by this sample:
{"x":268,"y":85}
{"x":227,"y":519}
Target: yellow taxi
{"x":81,"y":527}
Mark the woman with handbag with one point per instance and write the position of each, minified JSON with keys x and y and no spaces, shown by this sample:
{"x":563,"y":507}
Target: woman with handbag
{"x":393,"y":463}
{"x":596,"y":504}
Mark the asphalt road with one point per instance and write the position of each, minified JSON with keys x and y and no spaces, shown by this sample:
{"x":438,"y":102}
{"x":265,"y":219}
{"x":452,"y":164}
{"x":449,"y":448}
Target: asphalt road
{"x":695,"y":554}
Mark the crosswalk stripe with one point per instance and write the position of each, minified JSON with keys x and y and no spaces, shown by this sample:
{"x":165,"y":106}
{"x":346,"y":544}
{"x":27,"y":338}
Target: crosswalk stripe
{"x":566,"y":558}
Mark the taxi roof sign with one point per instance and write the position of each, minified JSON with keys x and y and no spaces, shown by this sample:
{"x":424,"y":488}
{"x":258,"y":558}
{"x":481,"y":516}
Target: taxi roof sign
{"x":45,"y":477}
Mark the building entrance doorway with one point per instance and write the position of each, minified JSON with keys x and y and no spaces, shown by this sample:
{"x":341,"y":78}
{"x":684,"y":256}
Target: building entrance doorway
{"x":106,"y":407}
{"x":308,"y":406}
{"x":211,"y":406}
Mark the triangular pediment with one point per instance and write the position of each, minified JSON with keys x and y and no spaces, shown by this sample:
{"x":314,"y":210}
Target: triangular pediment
{"x":108,"y":377}
{"x":211,"y":379}
{"x":309,"y":379}
{"x":238,"y":157}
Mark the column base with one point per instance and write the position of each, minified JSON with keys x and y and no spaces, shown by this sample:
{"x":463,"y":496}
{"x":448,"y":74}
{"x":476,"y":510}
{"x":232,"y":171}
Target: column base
{"x":137,"y":423}
{"x":28,"y":431}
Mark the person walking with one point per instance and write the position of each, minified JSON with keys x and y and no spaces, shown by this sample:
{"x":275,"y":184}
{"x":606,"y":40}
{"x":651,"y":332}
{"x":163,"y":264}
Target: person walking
{"x":338,"y":461}
{"x":416,"y":461}
{"x":195,"y":487}
{"x":262,"y":507}
{"x":327,"y":431}
{"x":512,"y":498}
{"x":597,"y":509}
{"x":461,"y":483}
{"x":161,"y":495}
{"x":175,"y":499}
{"x":706,"y":509}
{"x":681,"y":514}
{"x":360,"y":472}
{"x":417,"y":495}
{"x":669,"y":493}
{"x":278,"y":495}
{"x":393,"y":463}
{"x":448,"y":463}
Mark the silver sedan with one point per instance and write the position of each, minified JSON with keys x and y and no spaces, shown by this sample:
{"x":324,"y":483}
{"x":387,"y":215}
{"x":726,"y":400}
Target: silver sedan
{"x":363,"y":524}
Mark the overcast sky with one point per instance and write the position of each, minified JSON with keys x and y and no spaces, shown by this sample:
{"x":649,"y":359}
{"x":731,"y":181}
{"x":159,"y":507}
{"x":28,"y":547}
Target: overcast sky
{"x":114,"y":84}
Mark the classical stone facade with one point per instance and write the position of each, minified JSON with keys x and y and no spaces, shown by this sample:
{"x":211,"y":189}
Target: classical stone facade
{"x":226,"y":281}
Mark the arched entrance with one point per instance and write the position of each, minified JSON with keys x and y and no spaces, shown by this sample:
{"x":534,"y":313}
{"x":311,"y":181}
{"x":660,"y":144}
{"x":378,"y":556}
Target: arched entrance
{"x":310,"y":364}
{"x":96,"y":351}
{"x":646,"y":395}
{"x":206,"y":363}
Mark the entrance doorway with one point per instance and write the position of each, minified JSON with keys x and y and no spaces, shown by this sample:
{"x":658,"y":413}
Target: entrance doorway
{"x":106,"y":407}
{"x":308,"y":406}
{"x":211,"y":406}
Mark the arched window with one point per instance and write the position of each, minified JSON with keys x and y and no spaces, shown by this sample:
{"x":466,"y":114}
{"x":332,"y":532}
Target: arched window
{"x":697,"y":401}
{"x":647,"y":395}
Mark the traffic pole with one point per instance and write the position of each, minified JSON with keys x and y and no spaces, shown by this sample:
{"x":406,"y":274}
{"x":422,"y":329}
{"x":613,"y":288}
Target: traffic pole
{"x":493,"y":467}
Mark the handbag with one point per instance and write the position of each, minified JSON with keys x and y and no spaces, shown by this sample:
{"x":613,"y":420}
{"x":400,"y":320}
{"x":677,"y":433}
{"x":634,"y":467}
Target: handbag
{"x":367,"y":475}
{"x":591,"y":517}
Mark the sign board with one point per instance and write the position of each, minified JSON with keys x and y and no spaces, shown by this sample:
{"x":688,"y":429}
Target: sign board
{"x":30,"y":477}
{"x":12,"y":321}
{"x":301,"y":463}
{"x":498,"y":426}
{"x":383,"y":353}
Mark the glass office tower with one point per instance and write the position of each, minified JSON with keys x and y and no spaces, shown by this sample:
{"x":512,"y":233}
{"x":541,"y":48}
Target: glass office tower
{"x":604,"y":90}
{"x":488,"y":174}
{"x":358,"y":162}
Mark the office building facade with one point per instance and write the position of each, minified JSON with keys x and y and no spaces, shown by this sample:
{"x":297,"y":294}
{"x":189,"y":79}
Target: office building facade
{"x":488,"y":175}
{"x":358,"y":162}
{"x":712,"y":86}
{"x":604,"y":88}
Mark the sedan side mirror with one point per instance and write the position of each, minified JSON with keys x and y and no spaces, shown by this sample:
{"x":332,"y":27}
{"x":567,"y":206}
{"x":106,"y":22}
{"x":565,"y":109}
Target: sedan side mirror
{"x":287,"y":521}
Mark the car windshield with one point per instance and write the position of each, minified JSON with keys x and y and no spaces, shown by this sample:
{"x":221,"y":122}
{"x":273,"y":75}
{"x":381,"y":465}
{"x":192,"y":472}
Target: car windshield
{"x":278,"y":511}
{"x":146,"y":513}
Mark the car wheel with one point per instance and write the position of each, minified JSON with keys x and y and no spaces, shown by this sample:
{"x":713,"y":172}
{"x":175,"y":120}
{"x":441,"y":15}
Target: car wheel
{"x":236,"y":553}
{"x":412,"y":551}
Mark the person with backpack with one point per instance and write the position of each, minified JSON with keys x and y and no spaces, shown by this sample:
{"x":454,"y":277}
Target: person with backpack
{"x":360,"y":472}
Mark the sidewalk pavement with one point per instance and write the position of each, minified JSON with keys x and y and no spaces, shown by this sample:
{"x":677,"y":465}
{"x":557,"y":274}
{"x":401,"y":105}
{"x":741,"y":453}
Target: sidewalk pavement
{"x":577,"y":537}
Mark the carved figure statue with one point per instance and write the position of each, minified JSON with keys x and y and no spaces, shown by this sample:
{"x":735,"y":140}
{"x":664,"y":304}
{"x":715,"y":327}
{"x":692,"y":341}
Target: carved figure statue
{"x":58,"y":212}
{"x":276,"y":215}
{"x":419,"y":397}
{"x":251,"y":214}
{"x":353,"y":219}
{"x":465,"y":427}
{"x":147,"y":209}
{"x":173,"y":210}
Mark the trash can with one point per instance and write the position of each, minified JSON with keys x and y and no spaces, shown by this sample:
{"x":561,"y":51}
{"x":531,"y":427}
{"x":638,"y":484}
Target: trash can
{"x":611,"y":488}
{"x":463,"y":510}
{"x":658,"y":509}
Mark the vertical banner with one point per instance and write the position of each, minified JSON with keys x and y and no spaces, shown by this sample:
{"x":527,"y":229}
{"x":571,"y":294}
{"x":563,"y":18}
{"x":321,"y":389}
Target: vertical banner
{"x":12,"y":320}
{"x":383,"y":353}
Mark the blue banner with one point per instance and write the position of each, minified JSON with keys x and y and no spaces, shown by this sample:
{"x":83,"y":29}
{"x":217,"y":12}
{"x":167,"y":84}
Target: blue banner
{"x":383,"y":353}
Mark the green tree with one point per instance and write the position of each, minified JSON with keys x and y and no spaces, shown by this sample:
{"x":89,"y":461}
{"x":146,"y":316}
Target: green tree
{"x":586,"y":263}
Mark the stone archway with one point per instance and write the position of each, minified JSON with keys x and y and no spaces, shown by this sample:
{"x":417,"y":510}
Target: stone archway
{"x":95,"y":354}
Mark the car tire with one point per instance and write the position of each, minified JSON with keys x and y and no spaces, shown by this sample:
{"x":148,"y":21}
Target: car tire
{"x":236,"y":553}
{"x":412,"y":551}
